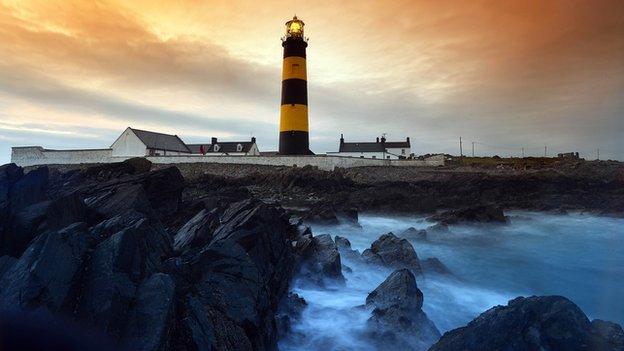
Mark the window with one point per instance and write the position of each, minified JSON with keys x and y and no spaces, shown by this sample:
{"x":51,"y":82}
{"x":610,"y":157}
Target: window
{"x":402,"y":151}
{"x":388,"y":157}
{"x":216,"y":147}
{"x":239,"y":147}
{"x":374,"y":156}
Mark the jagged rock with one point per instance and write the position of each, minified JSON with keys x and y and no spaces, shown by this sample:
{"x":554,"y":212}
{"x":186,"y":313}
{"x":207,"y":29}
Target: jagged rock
{"x":481,"y":214}
{"x":45,"y":273}
{"x":150,"y":323}
{"x":397,"y":321}
{"x":533,"y":323}
{"x":197,"y":231}
{"x":29,"y":189}
{"x":208,"y":329}
{"x":119,"y":200}
{"x":434,"y":265}
{"x":344,"y":247}
{"x":438,"y":228}
{"x":9,"y":174}
{"x":154,"y":192}
{"x":108,"y":286}
{"x":39,"y":217}
{"x":246,"y":268}
{"x":323,"y":262}
{"x":606,"y":336}
{"x":107,"y":171}
{"x":412,"y":233}
{"x":390,"y":251}
{"x":6,"y":262}
{"x":289,"y":311}
{"x":329,"y":214}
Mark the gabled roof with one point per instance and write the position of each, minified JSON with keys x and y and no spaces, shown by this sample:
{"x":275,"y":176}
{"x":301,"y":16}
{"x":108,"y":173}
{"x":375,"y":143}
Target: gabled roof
{"x":160,"y":141}
{"x":362,"y":147}
{"x":228,"y":147}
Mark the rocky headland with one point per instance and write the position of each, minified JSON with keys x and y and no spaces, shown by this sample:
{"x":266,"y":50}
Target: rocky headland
{"x":202,"y":257}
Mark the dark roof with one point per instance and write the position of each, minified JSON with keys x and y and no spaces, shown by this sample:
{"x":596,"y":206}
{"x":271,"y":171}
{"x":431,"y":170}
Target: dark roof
{"x":397,"y":144}
{"x":361,"y":147}
{"x":227,"y":147}
{"x":160,"y":141}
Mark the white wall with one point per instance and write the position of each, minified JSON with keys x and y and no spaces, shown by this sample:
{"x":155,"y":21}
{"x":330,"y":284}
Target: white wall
{"x":36,"y":155}
{"x":254,"y":151}
{"x":128,"y":144}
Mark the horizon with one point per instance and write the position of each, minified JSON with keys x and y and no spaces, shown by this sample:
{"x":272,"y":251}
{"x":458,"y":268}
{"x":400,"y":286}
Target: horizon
{"x":504,"y":75}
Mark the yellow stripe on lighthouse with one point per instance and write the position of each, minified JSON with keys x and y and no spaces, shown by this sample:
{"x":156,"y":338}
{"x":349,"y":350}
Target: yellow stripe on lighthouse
{"x":294,"y":67}
{"x":294,"y":117}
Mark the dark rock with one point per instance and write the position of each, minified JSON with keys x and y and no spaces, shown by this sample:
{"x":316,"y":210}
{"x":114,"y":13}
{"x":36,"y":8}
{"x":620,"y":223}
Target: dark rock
{"x":397,"y":321}
{"x":29,"y":189}
{"x":197,"y":231}
{"x":533,"y":323}
{"x":43,"y":216}
{"x":206,"y":328}
{"x":412,"y":233}
{"x":107,"y":171}
{"x":606,"y":336}
{"x":119,"y":200}
{"x":329,"y":214}
{"x":434,"y":265}
{"x":392,"y":252}
{"x":46,"y":272}
{"x":398,"y":289}
{"x":9,"y":174}
{"x":150,"y":323}
{"x":108,"y":287}
{"x":289,"y":311}
{"x":6,"y":262}
{"x":245,"y":270}
{"x":480,"y":214}
{"x":323,"y":262}
{"x":344,"y":247}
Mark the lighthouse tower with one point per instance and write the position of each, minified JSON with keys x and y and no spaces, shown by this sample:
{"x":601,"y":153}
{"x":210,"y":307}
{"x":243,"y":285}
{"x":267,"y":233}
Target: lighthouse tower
{"x":294,"y":136}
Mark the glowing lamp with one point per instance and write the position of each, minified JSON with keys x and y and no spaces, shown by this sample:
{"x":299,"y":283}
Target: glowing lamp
{"x":294,"y":28}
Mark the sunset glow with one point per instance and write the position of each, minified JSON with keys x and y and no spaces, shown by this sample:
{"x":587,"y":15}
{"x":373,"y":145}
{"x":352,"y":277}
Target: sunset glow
{"x":508,"y":74}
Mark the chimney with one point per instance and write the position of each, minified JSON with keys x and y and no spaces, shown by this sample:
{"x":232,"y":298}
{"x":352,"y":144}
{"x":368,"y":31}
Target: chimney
{"x":341,"y":138}
{"x":377,"y":139}
{"x":408,"y":141}
{"x":383,"y":139}
{"x":214,"y":141}
{"x":253,"y":140}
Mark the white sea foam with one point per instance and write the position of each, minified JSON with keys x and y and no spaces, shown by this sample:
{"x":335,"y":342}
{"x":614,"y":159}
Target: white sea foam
{"x":577,"y":256}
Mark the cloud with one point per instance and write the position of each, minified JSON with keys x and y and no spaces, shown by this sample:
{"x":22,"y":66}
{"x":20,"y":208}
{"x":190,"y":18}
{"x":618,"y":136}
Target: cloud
{"x":510,"y":74}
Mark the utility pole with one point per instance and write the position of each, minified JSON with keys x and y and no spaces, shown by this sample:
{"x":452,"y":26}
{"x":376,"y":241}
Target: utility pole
{"x":522,"y":152}
{"x":461,"y":152}
{"x":598,"y":154}
{"x":545,"y":151}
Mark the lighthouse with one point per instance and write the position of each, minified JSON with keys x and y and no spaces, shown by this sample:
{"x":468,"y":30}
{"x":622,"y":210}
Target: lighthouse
{"x":294,"y":129}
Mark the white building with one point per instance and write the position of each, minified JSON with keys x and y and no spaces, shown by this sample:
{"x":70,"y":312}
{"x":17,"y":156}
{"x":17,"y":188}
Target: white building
{"x":380,"y":148}
{"x":227,"y":148}
{"x":140,"y":143}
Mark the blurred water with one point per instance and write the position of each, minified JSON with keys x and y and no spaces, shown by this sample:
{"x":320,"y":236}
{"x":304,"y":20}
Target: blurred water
{"x":578,"y":256}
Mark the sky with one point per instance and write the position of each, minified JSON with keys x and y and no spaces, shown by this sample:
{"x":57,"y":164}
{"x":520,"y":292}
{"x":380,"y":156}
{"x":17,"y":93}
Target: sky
{"x":505,"y":75}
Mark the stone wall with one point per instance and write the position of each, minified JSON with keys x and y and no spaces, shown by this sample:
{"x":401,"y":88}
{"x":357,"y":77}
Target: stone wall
{"x":36,"y":155}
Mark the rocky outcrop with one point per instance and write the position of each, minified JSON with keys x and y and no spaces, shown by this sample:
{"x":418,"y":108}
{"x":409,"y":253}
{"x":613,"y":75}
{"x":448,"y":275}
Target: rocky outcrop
{"x":397,"y":321}
{"x":393,"y":252}
{"x":322,"y":264}
{"x":533,"y":323}
{"x":289,"y":312}
{"x":412,"y":233}
{"x":344,"y":247}
{"x":476,"y":214}
{"x":96,"y":247}
{"x":434,"y":265}
{"x":44,"y":275}
{"x":197,"y":232}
